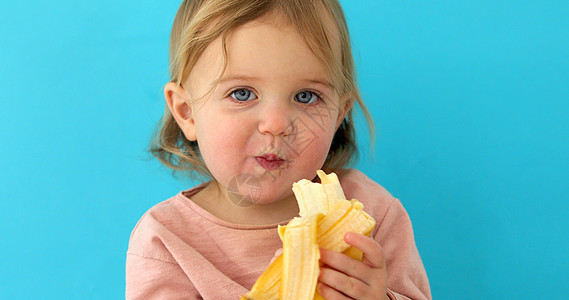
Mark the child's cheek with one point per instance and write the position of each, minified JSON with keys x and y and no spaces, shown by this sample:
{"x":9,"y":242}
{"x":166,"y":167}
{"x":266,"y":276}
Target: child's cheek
{"x":223,"y":144}
{"x":313,"y":134}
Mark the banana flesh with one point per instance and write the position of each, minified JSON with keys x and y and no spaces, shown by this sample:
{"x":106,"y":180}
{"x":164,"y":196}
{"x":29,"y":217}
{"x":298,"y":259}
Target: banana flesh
{"x":325,"y":217}
{"x":300,"y":252}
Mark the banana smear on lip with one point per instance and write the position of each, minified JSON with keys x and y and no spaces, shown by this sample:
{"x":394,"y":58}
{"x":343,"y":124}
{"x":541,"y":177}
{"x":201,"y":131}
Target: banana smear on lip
{"x":325,"y":217}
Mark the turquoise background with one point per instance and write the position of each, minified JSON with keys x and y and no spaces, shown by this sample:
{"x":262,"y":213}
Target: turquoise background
{"x":470,"y":99}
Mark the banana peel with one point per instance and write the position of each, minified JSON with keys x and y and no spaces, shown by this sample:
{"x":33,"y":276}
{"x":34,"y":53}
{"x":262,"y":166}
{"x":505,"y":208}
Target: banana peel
{"x":325,"y":217}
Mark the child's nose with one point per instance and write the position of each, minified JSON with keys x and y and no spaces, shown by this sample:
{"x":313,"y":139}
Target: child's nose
{"x":277,"y":118}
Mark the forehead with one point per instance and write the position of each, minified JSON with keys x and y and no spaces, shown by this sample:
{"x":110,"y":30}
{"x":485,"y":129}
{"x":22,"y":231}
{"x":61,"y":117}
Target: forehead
{"x":269,"y":46}
{"x":310,"y":29}
{"x":272,"y":46}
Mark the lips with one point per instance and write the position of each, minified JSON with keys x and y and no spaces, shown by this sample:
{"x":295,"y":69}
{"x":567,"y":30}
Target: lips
{"x":270,"y":161}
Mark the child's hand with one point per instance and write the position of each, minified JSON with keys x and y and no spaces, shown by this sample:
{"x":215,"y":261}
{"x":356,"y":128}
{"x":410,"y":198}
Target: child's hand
{"x":342,"y":277}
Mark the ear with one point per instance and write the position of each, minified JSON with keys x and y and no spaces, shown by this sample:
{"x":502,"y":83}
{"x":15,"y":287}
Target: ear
{"x":343,"y":111}
{"x":178,"y":102}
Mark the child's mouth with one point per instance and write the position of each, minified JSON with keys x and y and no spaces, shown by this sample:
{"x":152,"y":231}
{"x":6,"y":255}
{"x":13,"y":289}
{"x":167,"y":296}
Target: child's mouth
{"x":270,"y":161}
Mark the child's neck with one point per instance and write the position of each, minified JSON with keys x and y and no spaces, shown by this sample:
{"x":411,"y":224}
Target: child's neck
{"x":215,"y":200}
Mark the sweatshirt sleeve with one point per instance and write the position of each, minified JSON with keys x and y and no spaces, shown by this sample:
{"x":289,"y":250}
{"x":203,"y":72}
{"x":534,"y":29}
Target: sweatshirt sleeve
{"x":151,"y":278}
{"x":407,"y":278}
{"x":151,"y":270}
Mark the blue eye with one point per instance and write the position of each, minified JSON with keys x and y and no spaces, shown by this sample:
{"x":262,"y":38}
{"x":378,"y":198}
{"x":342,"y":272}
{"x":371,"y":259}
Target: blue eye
{"x":306,"y":97}
{"x":243,"y":95}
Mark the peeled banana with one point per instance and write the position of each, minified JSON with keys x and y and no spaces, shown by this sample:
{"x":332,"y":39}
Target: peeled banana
{"x":325,"y":217}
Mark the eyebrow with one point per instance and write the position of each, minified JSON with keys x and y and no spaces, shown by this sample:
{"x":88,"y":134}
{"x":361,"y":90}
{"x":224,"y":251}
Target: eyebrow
{"x":236,"y":77}
{"x":251,"y":78}
{"x":322,"y":82}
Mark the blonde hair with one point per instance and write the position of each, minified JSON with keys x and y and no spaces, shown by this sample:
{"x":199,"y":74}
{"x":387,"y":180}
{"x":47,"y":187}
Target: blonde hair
{"x":199,"y":22}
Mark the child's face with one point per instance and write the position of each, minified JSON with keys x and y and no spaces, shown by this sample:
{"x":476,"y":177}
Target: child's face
{"x":273,"y":115}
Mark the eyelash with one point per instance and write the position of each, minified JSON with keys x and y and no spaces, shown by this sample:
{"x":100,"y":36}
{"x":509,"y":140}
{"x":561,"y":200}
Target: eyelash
{"x":317,"y":94}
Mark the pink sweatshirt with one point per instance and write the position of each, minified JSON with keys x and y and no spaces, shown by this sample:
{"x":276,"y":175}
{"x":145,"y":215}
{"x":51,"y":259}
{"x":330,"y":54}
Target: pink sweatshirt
{"x":178,"y":250}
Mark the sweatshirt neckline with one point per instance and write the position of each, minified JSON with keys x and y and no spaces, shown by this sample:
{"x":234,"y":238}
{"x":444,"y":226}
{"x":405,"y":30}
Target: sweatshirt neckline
{"x":212,"y":218}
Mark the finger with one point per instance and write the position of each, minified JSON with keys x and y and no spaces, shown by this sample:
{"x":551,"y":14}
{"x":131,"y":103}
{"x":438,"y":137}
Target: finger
{"x":329,"y":293}
{"x":373,"y":253}
{"x":346,"y":264}
{"x":342,"y":283}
